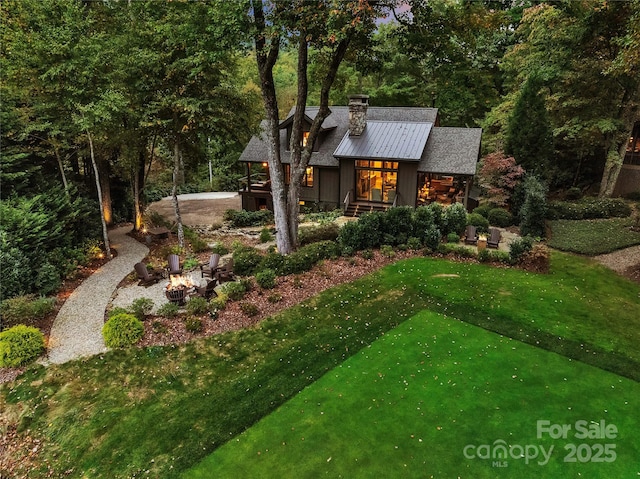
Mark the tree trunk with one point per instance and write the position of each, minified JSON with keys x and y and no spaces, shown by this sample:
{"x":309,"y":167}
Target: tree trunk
{"x":174,"y":191}
{"x":138,"y":173}
{"x":105,"y":233}
{"x":61,"y":168}
{"x":612,"y":167}
{"x":105,"y":186}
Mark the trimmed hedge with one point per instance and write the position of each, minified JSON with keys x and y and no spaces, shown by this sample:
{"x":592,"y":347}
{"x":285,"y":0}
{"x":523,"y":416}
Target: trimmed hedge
{"x":20,"y":345}
{"x":240,"y":218}
{"x":588,"y":208}
{"x":313,"y":234}
{"x":122,"y":330}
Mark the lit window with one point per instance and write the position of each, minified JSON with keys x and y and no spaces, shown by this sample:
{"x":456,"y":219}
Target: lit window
{"x":308,"y":177}
{"x":305,"y":136}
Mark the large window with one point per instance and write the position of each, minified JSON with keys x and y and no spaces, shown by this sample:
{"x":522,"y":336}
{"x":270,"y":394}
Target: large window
{"x":376,"y":180}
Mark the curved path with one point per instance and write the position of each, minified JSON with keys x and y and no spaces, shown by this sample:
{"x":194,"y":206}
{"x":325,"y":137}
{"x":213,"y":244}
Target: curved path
{"x":77,"y":329}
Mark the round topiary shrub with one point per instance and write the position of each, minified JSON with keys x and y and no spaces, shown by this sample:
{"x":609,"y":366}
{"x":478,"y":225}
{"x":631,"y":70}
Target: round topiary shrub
{"x":500,"y":217}
{"x":122,"y":330}
{"x":20,"y":345}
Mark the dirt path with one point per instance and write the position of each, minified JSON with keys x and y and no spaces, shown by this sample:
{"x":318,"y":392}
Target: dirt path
{"x":200,"y":208}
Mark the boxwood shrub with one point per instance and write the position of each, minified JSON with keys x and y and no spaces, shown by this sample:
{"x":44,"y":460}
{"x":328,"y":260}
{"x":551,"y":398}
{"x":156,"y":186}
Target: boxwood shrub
{"x":266,"y":278}
{"x":20,"y":345}
{"x":480,"y":222}
{"x":313,"y":234}
{"x":499,"y":217}
{"x":246,"y":261}
{"x":122,"y":330}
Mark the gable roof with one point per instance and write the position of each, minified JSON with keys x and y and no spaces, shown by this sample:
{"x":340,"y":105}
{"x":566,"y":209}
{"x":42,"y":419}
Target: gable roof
{"x":452,"y":150}
{"x":386,"y":140}
{"x":447,"y":150}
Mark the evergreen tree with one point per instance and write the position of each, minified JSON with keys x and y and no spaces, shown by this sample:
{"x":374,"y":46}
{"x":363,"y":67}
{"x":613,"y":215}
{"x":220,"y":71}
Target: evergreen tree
{"x":529,"y":135}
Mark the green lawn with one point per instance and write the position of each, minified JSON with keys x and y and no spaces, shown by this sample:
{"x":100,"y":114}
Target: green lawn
{"x":593,"y":237}
{"x":409,"y":405}
{"x":163,"y":409}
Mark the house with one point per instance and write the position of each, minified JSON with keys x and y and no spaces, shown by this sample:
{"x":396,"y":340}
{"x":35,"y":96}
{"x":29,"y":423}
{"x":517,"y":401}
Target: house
{"x":371,"y":158}
{"x":629,"y":177}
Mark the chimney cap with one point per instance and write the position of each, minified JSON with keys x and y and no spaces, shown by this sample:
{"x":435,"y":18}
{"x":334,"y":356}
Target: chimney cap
{"x":359,"y":98}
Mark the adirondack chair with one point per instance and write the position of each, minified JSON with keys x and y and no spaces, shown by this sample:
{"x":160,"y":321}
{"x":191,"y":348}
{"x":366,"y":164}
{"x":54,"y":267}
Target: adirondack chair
{"x":207,"y":291}
{"x":471,"y":235}
{"x":494,"y":239}
{"x":209,"y":269}
{"x":173,"y":267}
{"x":147,"y":278}
{"x":225,"y":272}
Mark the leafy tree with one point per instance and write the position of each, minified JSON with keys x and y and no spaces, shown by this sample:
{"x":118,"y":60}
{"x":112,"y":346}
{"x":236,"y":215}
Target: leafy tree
{"x":499,"y":176}
{"x":329,"y":27}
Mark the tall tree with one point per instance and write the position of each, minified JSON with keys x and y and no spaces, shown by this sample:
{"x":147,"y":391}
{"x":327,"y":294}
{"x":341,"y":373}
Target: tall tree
{"x":329,"y":26}
{"x":529,"y":136}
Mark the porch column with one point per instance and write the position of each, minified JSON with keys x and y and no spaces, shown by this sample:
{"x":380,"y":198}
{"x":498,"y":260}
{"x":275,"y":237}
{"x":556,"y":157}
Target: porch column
{"x":466,"y":191}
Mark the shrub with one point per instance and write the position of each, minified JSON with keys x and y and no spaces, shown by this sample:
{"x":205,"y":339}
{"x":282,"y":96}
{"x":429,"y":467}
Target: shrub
{"x":484,"y":256}
{"x":455,"y":217}
{"x":423,"y":219}
{"x":432,"y":238}
{"x":499,"y":176}
{"x":197,"y":305}
{"x":168,"y":310}
{"x":500,"y":217}
{"x":190,"y":263}
{"x":266,"y":279}
{"x":218,"y":303}
{"x":248,"y":218}
{"x":397,"y":225}
{"x":518,"y":247}
{"x":275,"y":262}
{"x":437,"y":211}
{"x":249,"y":309}
{"x":220,"y":249}
{"x":414,"y":243}
{"x":458,"y":250}
{"x":122,"y":330}
{"x":534,"y":208}
{"x":274,"y":298}
{"x":453,"y":238}
{"x":141,"y":307}
{"x":479,"y":221}
{"x":265,"y":235}
{"x":47,"y":279}
{"x":372,"y":230}
{"x":367,"y":254}
{"x":304,"y":259}
{"x":198,"y":245}
{"x":352,"y":237}
{"x":246,"y":261}
{"x":313,"y":234}
{"x":117,"y":310}
{"x":588,"y":208}
{"x":234,"y":290}
{"x":573,"y":193}
{"x":193,"y":324}
{"x":536,"y":259}
{"x":159,"y":328}
{"x":25,"y":309}
{"x":500,"y":256}
{"x":20,"y":345}
{"x":483,"y":210}
{"x":387,"y":251}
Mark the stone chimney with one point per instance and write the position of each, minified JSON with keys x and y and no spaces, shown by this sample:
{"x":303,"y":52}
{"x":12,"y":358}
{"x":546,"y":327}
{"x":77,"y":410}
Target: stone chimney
{"x":358,"y":105}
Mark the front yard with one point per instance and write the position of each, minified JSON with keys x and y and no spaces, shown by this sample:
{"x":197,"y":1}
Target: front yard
{"x":158,"y":411}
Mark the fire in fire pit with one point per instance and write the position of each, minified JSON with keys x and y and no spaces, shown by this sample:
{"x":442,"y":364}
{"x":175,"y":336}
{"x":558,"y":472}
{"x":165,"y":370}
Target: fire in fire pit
{"x":176,"y":290}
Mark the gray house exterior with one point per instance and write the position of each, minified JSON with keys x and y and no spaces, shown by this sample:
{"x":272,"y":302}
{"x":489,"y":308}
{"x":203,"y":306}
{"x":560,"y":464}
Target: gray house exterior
{"x":372,"y":158}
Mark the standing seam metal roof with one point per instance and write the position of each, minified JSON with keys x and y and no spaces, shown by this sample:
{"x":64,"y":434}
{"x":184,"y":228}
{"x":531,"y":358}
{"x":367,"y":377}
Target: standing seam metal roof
{"x":388,"y":140}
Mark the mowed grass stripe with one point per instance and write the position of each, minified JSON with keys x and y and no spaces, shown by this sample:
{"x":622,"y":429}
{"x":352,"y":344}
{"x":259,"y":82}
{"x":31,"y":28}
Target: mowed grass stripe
{"x":408,"y":405}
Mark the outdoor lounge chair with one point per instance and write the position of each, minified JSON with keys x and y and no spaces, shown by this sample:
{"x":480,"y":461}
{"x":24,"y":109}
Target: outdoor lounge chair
{"x":173,"y":267}
{"x":147,"y":278}
{"x":494,"y":239}
{"x":209,"y":269}
{"x":471,"y":235}
{"x":225,"y":272}
{"x":207,"y":291}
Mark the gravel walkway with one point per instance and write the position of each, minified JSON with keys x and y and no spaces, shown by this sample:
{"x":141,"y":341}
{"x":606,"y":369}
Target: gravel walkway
{"x":620,"y":261}
{"x":77,"y":329}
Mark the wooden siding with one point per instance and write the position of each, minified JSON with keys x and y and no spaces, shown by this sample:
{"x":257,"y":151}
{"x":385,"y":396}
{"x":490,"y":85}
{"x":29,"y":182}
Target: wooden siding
{"x":407,"y":183}
{"x":347,"y":179}
{"x":329,"y":183}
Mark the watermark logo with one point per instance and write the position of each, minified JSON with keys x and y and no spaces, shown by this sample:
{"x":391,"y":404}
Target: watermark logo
{"x":500,"y":452}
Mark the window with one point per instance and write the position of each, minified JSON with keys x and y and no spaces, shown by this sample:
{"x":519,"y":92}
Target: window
{"x":307,"y":179}
{"x":632,"y":156}
{"x":376,"y":180}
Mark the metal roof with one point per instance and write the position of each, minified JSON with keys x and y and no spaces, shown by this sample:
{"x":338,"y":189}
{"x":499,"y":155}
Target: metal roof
{"x":386,"y":140}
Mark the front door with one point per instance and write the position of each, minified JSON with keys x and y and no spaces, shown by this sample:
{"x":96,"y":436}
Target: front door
{"x":376,"y":181}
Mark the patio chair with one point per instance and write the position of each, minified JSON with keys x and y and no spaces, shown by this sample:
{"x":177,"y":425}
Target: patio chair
{"x":494,"y":239}
{"x":207,"y":291}
{"x":471,"y":235}
{"x":225,"y":272}
{"x":173,"y":267}
{"x":209,"y":269}
{"x":147,"y":278}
